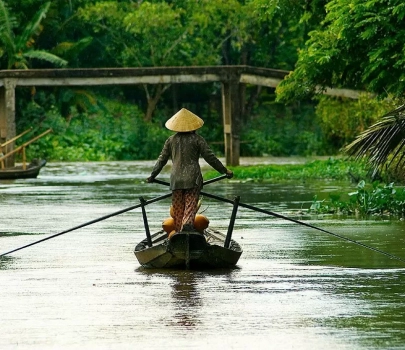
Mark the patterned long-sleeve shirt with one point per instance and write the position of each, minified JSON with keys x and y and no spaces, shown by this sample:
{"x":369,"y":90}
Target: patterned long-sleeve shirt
{"x":185,"y":149}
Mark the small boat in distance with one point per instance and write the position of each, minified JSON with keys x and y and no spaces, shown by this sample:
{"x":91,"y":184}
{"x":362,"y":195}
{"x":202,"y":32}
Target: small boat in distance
{"x":188,"y":249}
{"x":18,"y":172}
{"x":23,"y":171}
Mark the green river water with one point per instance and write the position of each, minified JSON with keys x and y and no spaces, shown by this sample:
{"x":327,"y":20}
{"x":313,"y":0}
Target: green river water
{"x":294,"y":287}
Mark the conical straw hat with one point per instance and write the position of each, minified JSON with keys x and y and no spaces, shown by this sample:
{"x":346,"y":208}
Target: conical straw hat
{"x":184,"y":121}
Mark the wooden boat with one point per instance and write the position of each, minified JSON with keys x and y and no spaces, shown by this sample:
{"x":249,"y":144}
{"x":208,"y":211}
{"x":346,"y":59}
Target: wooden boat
{"x":188,"y":249}
{"x":23,"y":171}
{"x":31,"y":171}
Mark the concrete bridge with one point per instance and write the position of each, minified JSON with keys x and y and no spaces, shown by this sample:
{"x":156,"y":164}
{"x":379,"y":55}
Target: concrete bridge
{"x":229,"y":76}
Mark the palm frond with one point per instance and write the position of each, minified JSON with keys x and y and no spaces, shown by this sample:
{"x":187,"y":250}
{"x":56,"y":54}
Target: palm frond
{"x":62,"y":48}
{"x":382,"y":143}
{"x":32,"y":27}
{"x":21,"y":64}
{"x":7,"y":23}
{"x":83,"y":100}
{"x":45,"y":56}
{"x":71,"y":49}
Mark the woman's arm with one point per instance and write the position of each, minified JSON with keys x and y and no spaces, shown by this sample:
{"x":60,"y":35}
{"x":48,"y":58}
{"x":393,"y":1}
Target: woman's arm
{"x":161,"y":161}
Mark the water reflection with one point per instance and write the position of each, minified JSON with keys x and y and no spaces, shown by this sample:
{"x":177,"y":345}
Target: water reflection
{"x":5,"y":262}
{"x":184,"y":296}
{"x":186,"y":299}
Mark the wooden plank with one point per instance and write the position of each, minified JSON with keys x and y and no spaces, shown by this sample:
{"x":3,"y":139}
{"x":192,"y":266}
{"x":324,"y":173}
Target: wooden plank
{"x":273,"y":82}
{"x":120,"y":72}
{"x":7,"y":118}
{"x":353,"y":94}
{"x":9,"y":154}
{"x":227,"y":120}
{"x":3,"y":124}
{"x":153,"y":79}
{"x":231,"y":120}
{"x":230,"y":76}
{"x":259,"y":80}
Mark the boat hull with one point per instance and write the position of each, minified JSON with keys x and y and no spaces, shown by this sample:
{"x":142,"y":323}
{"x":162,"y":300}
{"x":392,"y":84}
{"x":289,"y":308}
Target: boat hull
{"x":188,"y":250}
{"x":31,"y":172}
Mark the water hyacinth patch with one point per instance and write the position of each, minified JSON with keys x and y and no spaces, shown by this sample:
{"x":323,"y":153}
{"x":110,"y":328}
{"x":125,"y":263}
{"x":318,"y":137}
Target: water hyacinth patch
{"x":373,"y":199}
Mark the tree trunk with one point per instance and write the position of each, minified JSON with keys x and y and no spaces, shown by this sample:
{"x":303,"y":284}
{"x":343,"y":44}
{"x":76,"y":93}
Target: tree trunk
{"x":153,"y":99}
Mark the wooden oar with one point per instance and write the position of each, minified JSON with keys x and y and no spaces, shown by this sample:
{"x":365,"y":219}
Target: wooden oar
{"x":92,"y":222}
{"x":268,"y":212}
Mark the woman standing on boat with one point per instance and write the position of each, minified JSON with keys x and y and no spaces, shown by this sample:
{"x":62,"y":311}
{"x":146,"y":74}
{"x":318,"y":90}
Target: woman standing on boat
{"x":184,"y":149}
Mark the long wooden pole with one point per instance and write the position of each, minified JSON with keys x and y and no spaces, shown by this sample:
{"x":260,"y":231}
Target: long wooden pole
{"x":25,"y":145}
{"x":90,"y":222}
{"x":16,"y":138}
{"x":107,"y":216}
{"x":268,"y":212}
{"x":7,"y":143}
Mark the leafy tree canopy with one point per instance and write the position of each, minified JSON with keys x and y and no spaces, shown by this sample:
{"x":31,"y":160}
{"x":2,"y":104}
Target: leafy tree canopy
{"x":360,"y":44}
{"x":188,"y":32}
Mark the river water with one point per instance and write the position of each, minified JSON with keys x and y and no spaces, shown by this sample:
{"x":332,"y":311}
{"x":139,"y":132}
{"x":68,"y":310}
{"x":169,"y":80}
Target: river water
{"x":294,"y":287}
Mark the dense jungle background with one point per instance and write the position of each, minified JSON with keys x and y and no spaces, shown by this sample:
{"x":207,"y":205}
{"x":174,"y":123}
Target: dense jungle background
{"x":348,"y":44}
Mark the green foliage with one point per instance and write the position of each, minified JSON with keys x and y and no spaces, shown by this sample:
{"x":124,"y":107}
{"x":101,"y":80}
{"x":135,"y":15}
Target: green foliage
{"x":382,"y":143}
{"x":18,"y":49}
{"x":71,"y":50}
{"x":84,"y":101}
{"x":120,"y":134}
{"x":360,"y":46}
{"x":350,"y":47}
{"x":335,"y":169}
{"x":375,"y":199}
{"x":188,"y":32}
{"x":341,"y":120}
{"x":149,"y":23}
{"x":278,"y":130}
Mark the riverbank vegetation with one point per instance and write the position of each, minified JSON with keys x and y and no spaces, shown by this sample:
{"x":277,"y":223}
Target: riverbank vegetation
{"x":368,"y":199}
{"x":330,"y":169}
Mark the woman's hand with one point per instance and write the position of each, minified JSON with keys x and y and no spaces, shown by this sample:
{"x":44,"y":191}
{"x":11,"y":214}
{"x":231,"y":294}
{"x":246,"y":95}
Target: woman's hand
{"x":229,"y":174}
{"x":150,"y":179}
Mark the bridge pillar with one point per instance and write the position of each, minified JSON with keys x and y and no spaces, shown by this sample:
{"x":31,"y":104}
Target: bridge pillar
{"x":231,"y":116}
{"x":7,"y":118}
